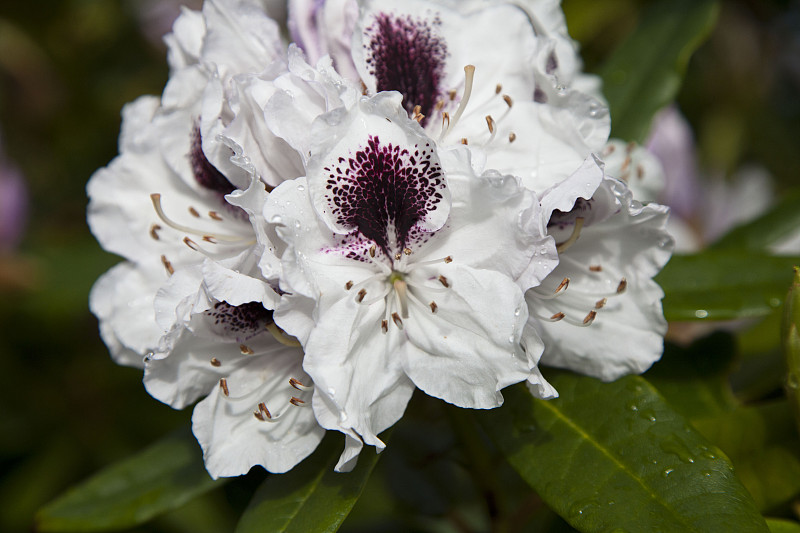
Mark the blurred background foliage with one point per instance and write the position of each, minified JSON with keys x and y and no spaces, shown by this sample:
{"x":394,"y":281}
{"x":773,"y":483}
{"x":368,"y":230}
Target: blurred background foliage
{"x":66,"y":70}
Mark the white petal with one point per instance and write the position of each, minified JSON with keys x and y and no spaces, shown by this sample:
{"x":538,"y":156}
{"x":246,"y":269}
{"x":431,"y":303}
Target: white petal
{"x":122,"y":300}
{"x":234,"y":439}
{"x":468,"y":350}
{"x":626,"y":335}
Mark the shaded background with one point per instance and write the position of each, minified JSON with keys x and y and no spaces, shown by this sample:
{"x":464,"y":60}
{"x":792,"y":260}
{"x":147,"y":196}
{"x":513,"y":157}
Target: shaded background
{"x":66,"y":69}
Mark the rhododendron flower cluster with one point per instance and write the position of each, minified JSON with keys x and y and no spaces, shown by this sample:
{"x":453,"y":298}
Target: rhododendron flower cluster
{"x":404,"y":197}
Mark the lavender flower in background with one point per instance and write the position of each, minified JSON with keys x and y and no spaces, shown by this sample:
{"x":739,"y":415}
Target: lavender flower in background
{"x":13,"y":203}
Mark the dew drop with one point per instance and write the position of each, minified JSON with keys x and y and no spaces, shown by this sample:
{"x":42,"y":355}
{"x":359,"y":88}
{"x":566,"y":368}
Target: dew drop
{"x":276,"y":219}
{"x":297,"y":224}
{"x":701,"y":313}
{"x":511,"y":339}
{"x":301,"y":188}
{"x":667,"y":472}
{"x":331,"y":391}
{"x":791,"y":381}
{"x":516,"y":311}
{"x":342,"y":417}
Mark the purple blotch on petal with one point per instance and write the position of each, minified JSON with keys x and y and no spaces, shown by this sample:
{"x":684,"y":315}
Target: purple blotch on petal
{"x":204,"y":172}
{"x":406,"y":55}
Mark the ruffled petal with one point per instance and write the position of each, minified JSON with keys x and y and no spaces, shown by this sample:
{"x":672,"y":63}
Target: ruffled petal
{"x":612,"y":321}
{"x":235,"y":432}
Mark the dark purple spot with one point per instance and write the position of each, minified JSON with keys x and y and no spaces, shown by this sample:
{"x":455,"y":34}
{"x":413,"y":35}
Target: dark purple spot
{"x":406,"y":55}
{"x":205,"y":173}
{"x":539,"y":95}
{"x":561,"y":219}
{"x":382,"y":192}
{"x":552,"y":63}
{"x":241,"y":322}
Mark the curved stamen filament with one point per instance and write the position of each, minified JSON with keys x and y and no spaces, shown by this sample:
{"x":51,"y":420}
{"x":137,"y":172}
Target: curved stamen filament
{"x":469,"y":75}
{"x":573,"y":238}
{"x":156,"y":199}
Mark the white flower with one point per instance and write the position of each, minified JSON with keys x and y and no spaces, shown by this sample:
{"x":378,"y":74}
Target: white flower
{"x":403,"y":268}
{"x":185,"y":211}
{"x":599,"y":312}
{"x":504,"y":79}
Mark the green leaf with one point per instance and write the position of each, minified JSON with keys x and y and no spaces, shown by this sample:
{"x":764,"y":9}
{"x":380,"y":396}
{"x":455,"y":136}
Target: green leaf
{"x":161,"y":478}
{"x":778,"y":222}
{"x":310,"y":497}
{"x":615,"y":455}
{"x":694,"y":380}
{"x":724,"y":284}
{"x":644,"y":73}
{"x":779,"y":525}
{"x":790,"y":333}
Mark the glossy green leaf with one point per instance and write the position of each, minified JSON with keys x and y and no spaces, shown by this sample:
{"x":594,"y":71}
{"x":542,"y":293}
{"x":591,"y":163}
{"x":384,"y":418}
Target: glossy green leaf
{"x":694,"y":380}
{"x":311,"y":496}
{"x":161,"y":478}
{"x":724,"y":284}
{"x":779,"y":525}
{"x":644,"y":73}
{"x":615,"y":455}
{"x":778,"y":222}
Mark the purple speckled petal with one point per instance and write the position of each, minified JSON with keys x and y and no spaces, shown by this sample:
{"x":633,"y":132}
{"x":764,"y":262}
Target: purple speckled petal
{"x":382,"y":182}
{"x":406,"y":54}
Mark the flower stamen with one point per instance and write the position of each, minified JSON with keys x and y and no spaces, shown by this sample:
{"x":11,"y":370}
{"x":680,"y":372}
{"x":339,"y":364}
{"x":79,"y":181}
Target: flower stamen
{"x":156,"y":199}
{"x":573,"y":238}
{"x":469,"y":76}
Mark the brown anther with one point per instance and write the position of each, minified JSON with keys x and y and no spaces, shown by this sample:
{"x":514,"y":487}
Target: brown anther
{"x":439,"y":105}
{"x":384,"y":325}
{"x":215,"y":362}
{"x":296,"y":383}
{"x":562,"y":286}
{"x":258,"y":415}
{"x":507,"y":99}
{"x":599,"y":304}
{"x":623,"y":284}
{"x":498,"y":88}
{"x":296,"y":401}
{"x":209,"y":238}
{"x":558,"y":316}
{"x":214,"y":215}
{"x":246,"y":350}
{"x":419,"y":117}
{"x":445,"y":118}
{"x":397,"y":320}
{"x":434,"y":307}
{"x":193,"y":212}
{"x":167,"y":265}
{"x":596,"y":268}
{"x":223,"y":384}
{"x":610,"y":149}
{"x":361,"y":294}
{"x":443,"y":281}
{"x":363,"y":88}
{"x":464,"y":140}
{"x":407,"y":251}
{"x":630,"y":147}
{"x":154,"y":231}
{"x":512,"y":137}
{"x":588,"y":319}
{"x":397,"y":256}
{"x":490,"y":123}
{"x":639,"y":172}
{"x":262,"y":408}
{"x":448,"y":259}
{"x":372,"y":250}
{"x":190,"y":243}
{"x":452,"y":94}
{"x":417,"y":110}
{"x":348,"y":285}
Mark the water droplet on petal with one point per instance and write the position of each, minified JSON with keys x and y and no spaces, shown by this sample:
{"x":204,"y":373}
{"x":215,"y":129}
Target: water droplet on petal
{"x":301,"y":188}
{"x":277,"y":219}
{"x":516,"y":311}
{"x":667,"y":472}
